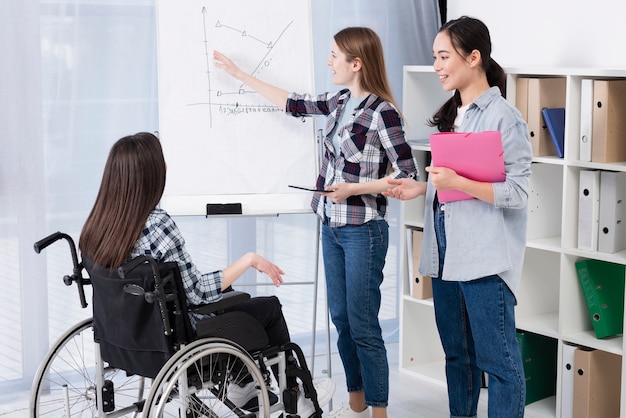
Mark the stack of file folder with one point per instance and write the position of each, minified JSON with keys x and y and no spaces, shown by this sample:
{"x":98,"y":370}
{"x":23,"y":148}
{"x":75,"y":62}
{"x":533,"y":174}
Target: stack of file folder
{"x":602,"y":284}
{"x":602,"y":121}
{"x":591,"y":383}
{"x":602,"y":211}
{"x":539,"y":357}
{"x":596,"y":385}
{"x":532,"y":94}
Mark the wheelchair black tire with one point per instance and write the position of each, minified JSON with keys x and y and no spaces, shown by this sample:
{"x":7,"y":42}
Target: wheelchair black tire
{"x":166,"y":388}
{"x":69,"y":367}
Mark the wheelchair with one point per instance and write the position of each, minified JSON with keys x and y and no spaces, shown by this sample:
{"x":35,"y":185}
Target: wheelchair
{"x":139,"y":356}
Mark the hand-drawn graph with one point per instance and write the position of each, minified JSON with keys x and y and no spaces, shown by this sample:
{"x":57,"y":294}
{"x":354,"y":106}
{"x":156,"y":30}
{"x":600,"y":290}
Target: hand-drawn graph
{"x":223,"y":141}
{"x":230,"y":102}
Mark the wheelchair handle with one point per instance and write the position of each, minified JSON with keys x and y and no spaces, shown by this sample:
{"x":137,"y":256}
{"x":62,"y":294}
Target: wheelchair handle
{"x":50,"y":239}
{"x":77,"y":273}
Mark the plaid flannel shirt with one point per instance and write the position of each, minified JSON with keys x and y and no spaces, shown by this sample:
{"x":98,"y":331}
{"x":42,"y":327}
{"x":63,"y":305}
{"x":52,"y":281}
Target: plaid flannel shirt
{"x":372,"y":145}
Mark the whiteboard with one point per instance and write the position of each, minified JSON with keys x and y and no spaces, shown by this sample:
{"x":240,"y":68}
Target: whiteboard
{"x":223,"y":142}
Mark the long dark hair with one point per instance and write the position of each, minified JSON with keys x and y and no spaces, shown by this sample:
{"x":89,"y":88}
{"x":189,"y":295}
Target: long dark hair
{"x":467,"y":34}
{"x":364,"y":44}
{"x":132,"y":185}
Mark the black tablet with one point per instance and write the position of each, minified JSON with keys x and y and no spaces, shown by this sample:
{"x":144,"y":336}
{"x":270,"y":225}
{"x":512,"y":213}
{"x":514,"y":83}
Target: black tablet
{"x":310,"y":189}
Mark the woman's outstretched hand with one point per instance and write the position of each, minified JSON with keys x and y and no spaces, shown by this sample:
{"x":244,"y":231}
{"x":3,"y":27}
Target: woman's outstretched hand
{"x":224,"y":63}
{"x":405,"y":188}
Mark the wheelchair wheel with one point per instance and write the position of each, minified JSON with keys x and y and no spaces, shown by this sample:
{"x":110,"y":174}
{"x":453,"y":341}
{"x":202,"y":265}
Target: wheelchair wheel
{"x":203,"y":379}
{"x":66,"y":380}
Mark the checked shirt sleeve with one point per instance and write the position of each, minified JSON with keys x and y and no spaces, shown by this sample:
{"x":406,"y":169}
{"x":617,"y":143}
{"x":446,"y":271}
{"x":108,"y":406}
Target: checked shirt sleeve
{"x":392,"y":138}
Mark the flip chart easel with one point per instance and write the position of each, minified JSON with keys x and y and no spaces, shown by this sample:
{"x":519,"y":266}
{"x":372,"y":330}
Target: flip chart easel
{"x":223,"y":142}
{"x":229,"y":151}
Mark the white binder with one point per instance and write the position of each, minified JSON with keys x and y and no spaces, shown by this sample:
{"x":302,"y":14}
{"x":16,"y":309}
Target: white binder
{"x":612,"y":227}
{"x":409,"y":258}
{"x":567,"y":381}
{"x":588,"y":209}
{"x":586,"y":118}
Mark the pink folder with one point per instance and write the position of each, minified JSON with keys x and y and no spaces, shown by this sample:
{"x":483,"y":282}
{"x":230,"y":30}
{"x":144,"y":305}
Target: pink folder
{"x":475,"y":155}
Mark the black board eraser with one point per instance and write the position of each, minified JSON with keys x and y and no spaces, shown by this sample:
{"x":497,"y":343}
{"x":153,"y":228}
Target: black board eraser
{"x":223,"y":209}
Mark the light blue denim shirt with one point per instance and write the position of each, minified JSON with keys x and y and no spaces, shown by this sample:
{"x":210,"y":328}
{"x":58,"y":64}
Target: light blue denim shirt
{"x":482,"y":238}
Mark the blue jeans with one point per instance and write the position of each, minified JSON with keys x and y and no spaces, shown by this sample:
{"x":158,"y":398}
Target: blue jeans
{"x":476,"y":323}
{"x":354,"y":257}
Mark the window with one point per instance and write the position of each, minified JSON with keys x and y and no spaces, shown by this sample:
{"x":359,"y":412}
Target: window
{"x":79,"y":74}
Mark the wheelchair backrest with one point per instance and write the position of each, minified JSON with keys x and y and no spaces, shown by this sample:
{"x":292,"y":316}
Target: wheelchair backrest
{"x":139,"y":319}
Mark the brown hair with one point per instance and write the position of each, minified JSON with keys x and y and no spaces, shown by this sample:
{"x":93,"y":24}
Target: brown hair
{"x":364,"y":44}
{"x":132,"y":185}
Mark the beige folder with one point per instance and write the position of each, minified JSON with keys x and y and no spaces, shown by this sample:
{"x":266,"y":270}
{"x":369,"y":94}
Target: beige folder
{"x":533,"y":94}
{"x":597,"y":383}
{"x":421,"y":286}
{"x":609,"y":121}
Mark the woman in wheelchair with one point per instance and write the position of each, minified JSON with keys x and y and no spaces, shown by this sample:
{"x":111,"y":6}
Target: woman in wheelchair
{"x":125,"y":222}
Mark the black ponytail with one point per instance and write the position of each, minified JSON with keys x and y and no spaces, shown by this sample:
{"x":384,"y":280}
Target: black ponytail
{"x":444,"y":118}
{"x":496,"y":76}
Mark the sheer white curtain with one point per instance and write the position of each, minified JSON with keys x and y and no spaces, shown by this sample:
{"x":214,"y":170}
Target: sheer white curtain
{"x":76,"y":75}
{"x":22,"y":203}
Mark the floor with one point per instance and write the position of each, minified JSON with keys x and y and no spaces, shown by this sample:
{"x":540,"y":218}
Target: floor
{"x":409,"y":398}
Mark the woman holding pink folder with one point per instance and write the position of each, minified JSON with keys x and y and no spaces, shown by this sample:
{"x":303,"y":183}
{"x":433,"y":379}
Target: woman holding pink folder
{"x":475,"y":248}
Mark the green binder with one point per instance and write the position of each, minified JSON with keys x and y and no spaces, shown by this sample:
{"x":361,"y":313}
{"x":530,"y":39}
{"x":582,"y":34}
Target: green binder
{"x":603,"y":287}
{"x":539,"y":357}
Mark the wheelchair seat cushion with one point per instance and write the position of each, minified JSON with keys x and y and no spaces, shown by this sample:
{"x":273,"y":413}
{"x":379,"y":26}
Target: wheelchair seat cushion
{"x":237,"y":326}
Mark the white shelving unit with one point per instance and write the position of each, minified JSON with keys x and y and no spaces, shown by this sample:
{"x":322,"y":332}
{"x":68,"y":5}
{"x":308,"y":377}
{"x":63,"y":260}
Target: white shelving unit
{"x":550,"y":300}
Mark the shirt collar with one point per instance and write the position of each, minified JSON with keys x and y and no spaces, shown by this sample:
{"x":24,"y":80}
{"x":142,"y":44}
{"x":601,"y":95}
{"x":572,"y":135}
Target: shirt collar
{"x":487,"y":97}
{"x":364,"y":103}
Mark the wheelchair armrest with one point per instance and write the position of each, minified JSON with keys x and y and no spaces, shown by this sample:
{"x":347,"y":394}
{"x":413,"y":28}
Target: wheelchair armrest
{"x":229,"y":299}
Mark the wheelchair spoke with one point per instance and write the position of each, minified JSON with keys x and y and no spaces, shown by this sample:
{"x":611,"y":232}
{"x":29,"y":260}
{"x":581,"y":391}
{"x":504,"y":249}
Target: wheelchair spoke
{"x":198,"y":383}
{"x":66,"y":379}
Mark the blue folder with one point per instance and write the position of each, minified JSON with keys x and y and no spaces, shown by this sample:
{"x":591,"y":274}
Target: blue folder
{"x":555,"y":122}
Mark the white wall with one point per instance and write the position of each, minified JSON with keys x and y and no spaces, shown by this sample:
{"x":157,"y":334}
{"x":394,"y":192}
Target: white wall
{"x":551,"y":33}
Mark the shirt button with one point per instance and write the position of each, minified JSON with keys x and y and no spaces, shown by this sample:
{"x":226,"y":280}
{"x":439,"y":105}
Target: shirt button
{"x":443,"y":207}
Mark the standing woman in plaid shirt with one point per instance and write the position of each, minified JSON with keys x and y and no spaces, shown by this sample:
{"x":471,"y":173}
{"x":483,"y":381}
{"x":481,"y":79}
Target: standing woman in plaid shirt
{"x":363,"y":148}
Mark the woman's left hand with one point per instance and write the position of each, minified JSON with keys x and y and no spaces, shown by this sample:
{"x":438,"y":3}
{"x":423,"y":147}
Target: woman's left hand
{"x":272,"y":270}
{"x":340,"y":191}
{"x":443,"y":178}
